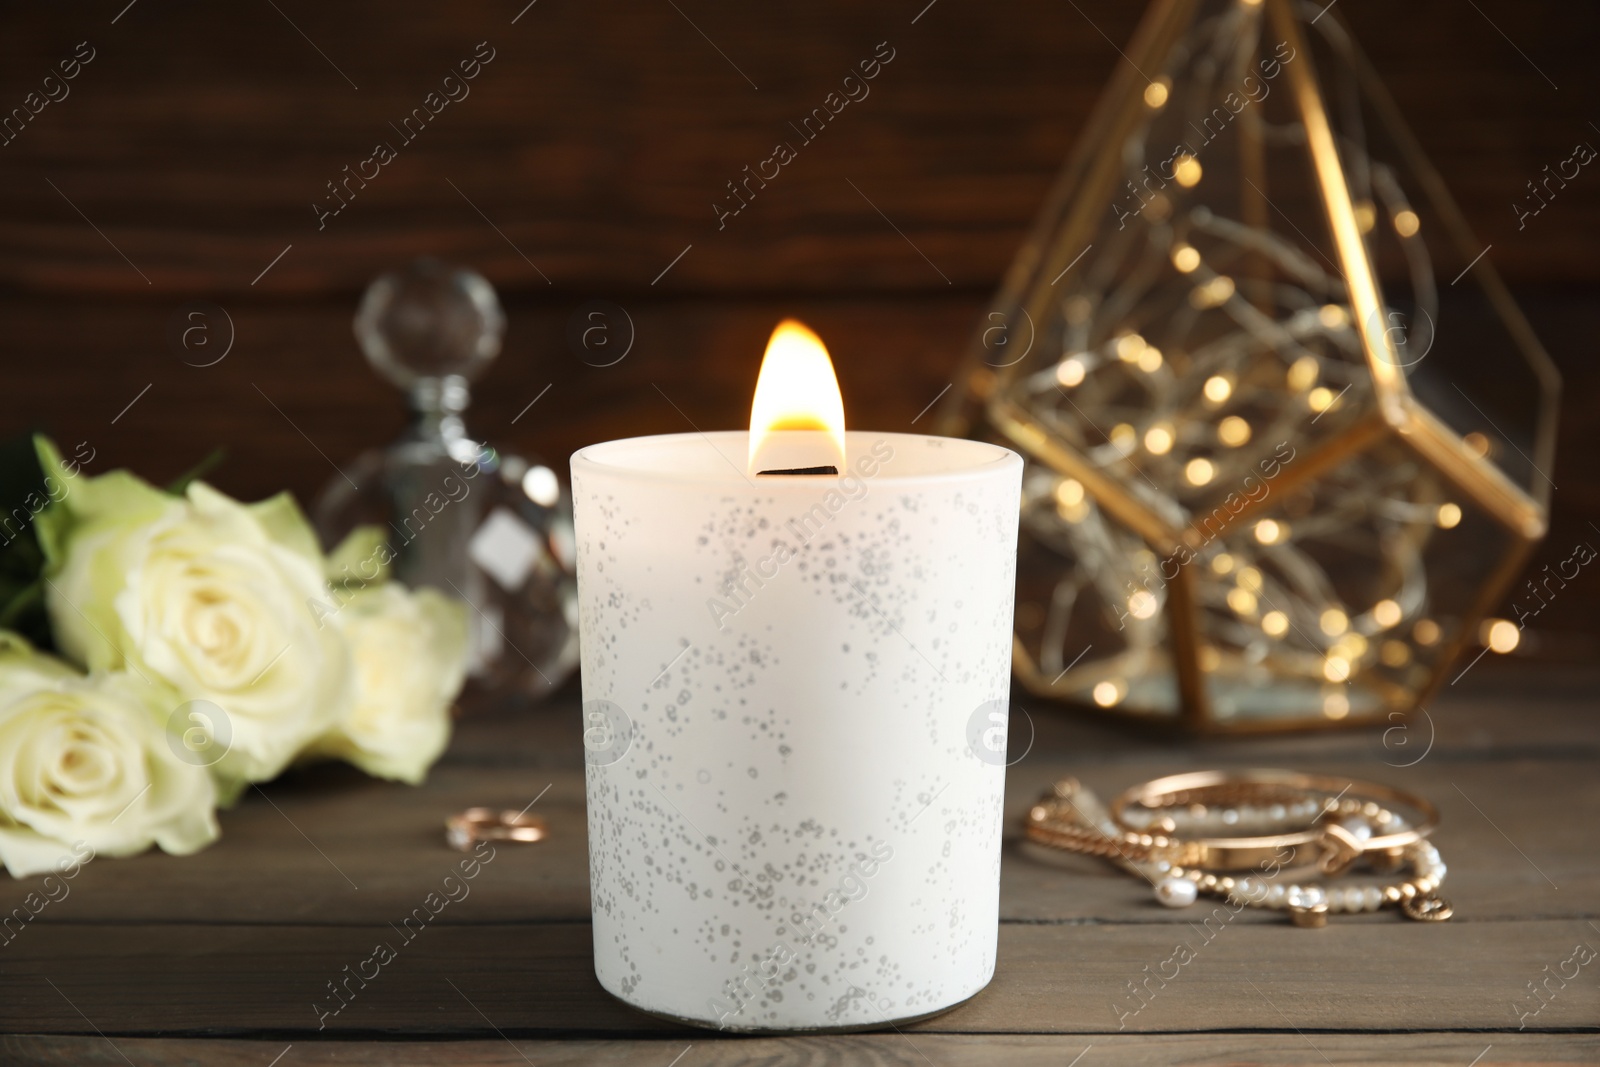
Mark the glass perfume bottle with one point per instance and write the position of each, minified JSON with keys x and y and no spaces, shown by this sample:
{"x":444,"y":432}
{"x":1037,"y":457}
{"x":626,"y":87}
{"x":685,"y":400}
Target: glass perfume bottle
{"x":490,"y":527}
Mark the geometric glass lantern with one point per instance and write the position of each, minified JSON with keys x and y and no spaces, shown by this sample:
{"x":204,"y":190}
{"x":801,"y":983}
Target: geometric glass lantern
{"x":1287,"y":435}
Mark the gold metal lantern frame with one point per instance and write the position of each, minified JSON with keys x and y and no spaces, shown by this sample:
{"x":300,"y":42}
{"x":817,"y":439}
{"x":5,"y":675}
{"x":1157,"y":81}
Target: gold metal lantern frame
{"x":1279,"y":468}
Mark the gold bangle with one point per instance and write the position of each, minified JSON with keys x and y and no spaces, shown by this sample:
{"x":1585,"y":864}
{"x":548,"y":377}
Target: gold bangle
{"x":1060,"y":822}
{"x":1070,"y":818}
{"x":1335,"y":845}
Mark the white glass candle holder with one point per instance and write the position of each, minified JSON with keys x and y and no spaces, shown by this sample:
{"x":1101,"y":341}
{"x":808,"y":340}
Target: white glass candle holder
{"x":794,"y":695}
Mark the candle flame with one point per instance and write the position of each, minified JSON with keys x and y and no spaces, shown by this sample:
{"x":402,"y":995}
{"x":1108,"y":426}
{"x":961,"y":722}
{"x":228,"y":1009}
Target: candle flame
{"x":797,"y":415}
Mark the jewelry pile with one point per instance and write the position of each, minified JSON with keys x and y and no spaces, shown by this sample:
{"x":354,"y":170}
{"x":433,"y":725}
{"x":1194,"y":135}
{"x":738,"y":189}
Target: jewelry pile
{"x":1231,"y":834}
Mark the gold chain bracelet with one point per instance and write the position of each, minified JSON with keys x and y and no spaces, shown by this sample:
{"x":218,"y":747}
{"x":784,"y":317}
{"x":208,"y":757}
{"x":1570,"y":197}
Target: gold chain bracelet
{"x":1359,"y":827}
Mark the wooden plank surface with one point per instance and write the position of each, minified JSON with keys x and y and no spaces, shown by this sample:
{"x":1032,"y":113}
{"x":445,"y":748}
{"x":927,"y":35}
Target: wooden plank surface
{"x":588,"y":156}
{"x":210,"y":944}
{"x":346,"y":848}
{"x":877,"y":1050}
{"x":893,"y":358}
{"x":370,"y":851}
{"x":294,"y":398}
{"x":1385,"y":974}
{"x":597,"y":140}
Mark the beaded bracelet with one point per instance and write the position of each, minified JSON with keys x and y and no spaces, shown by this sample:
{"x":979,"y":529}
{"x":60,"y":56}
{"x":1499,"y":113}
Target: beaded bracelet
{"x":1180,"y":868}
{"x":1342,"y":818}
{"x":1310,"y":905}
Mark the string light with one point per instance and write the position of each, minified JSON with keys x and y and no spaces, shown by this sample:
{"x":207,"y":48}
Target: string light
{"x":1352,"y":646}
{"x":1336,"y":705}
{"x":1069,"y":492}
{"x":1186,"y":169}
{"x":1303,"y":374}
{"x":1212,"y":294}
{"x":1247,"y":360}
{"x":1233,"y":431}
{"x":1366,"y":215}
{"x":1501,"y":635}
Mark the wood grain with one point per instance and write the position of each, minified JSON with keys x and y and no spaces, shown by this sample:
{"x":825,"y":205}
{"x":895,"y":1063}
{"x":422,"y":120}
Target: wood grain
{"x":538,"y":978}
{"x":294,"y":400}
{"x":344,"y":848}
{"x":294,"y":397}
{"x":184,"y":165}
{"x":244,"y":937}
{"x":876,"y":1050}
{"x":597,"y":140}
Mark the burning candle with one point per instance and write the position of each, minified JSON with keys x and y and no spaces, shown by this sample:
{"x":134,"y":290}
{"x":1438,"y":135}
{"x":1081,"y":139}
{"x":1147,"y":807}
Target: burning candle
{"x":795,"y":690}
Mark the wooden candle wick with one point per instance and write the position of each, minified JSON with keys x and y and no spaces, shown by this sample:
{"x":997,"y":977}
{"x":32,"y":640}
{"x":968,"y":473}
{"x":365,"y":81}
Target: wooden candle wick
{"x":829,"y":469}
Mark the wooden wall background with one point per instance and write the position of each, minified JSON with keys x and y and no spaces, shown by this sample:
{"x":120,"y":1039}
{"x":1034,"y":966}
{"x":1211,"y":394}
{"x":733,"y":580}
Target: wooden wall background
{"x":586,"y":158}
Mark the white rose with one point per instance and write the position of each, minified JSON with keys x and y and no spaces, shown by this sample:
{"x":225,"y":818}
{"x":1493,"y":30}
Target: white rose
{"x":87,"y":767}
{"x":410,"y":654}
{"x":217,"y":599}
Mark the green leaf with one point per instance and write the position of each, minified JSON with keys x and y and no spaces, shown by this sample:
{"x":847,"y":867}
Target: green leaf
{"x":211,"y":462}
{"x":23,"y":496}
{"x":19,"y":604}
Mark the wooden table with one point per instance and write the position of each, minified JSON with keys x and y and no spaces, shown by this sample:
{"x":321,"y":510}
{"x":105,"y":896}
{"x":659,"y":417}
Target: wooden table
{"x":220,"y":958}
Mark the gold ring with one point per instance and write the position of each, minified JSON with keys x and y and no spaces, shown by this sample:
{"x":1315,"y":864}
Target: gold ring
{"x":463,"y":829}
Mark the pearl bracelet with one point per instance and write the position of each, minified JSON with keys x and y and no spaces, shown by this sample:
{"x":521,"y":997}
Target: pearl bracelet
{"x":1310,"y":905}
{"x":1072,"y":819}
